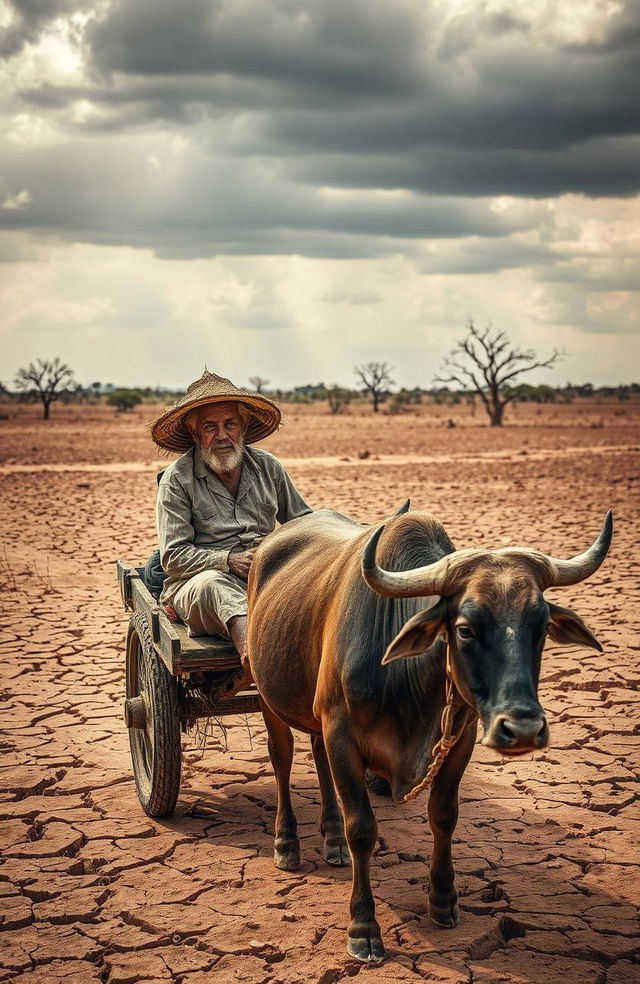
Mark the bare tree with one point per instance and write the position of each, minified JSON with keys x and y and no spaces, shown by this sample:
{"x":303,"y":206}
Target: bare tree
{"x":44,"y":379}
{"x":486,"y":362}
{"x":376,"y":377}
{"x":258,"y":383}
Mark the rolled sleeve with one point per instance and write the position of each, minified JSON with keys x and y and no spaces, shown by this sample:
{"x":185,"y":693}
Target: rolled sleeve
{"x":179,"y":555}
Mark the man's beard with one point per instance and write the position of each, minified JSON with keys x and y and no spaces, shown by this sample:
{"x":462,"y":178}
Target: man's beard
{"x":223,"y":461}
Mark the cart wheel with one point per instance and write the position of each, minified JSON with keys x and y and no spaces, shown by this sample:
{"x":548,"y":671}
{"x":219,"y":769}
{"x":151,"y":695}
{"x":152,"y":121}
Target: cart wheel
{"x":151,"y":714}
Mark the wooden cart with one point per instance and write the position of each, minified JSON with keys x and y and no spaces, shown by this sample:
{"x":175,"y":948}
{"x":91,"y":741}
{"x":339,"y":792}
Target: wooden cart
{"x":162,"y":664}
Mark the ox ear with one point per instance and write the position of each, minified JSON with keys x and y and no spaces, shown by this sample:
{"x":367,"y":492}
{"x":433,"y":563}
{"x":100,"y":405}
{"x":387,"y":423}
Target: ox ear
{"x":568,"y":629}
{"x":418,"y":634}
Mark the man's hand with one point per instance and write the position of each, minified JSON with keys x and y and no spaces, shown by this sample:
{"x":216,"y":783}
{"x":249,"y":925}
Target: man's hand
{"x":240,"y":563}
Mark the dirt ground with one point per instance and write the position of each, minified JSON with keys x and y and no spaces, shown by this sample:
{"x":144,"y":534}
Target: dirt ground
{"x":546,"y":849}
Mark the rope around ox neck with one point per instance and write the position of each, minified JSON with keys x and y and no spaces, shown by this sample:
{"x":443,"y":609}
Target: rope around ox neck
{"x":446,"y":741}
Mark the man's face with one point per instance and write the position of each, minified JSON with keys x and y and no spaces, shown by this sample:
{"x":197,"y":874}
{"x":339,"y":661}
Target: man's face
{"x":219,"y":433}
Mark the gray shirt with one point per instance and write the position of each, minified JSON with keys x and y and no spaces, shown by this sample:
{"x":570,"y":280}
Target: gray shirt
{"x":200,"y":522}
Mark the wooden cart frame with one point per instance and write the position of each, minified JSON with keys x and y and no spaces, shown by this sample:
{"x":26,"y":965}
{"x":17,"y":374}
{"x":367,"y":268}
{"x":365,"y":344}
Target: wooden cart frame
{"x":161,"y":660}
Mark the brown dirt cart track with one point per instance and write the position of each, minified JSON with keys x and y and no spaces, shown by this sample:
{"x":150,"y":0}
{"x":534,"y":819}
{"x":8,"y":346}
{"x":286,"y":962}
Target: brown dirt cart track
{"x":546,"y":848}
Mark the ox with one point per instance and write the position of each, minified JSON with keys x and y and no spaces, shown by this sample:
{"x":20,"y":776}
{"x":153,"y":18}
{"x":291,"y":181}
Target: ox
{"x":357,"y":654}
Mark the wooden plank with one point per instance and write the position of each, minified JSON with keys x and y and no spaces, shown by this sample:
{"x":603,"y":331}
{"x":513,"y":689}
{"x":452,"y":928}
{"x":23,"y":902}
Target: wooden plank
{"x":169,"y":644}
{"x":196,"y":646}
{"x":200,"y":653}
{"x":215,"y":662}
{"x":180,"y":652}
{"x":124,"y":572}
{"x":155,"y":626}
{"x":244,"y":703}
{"x":240,"y":704}
{"x":166,"y":641}
{"x":143,"y":600}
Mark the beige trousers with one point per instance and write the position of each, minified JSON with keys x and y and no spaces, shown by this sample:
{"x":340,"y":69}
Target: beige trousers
{"x":209,"y":600}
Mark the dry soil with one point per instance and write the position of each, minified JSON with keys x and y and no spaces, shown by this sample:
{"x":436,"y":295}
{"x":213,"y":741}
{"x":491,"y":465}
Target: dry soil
{"x":546,"y":850}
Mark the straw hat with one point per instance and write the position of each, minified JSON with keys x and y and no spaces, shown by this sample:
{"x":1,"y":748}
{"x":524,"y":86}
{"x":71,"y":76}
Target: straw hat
{"x":170,"y":431}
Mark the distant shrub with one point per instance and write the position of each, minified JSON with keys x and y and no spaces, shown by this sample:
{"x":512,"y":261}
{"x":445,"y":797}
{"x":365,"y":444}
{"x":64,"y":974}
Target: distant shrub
{"x":124,"y":399}
{"x":338,"y":399}
{"x":398,"y":404}
{"x":403,"y":399}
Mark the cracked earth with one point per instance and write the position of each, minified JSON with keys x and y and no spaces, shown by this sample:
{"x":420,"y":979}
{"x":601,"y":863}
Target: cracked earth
{"x":546,"y":850}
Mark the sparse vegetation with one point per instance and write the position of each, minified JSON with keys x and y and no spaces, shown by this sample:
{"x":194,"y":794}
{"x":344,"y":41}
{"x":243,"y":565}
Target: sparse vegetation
{"x":338,"y":399}
{"x":376,"y":379}
{"x":124,"y":399}
{"x":259,"y":383}
{"x":464,"y":398}
{"x":44,"y":380}
{"x":486,"y":362}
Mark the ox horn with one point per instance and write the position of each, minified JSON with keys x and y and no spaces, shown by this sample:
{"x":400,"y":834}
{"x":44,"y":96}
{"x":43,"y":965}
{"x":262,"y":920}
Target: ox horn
{"x":404,"y":508}
{"x":427,"y":580}
{"x":585,"y":564}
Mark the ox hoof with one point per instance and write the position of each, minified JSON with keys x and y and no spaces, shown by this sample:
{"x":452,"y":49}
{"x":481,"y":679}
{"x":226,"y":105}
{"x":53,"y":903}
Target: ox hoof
{"x":366,"y":950}
{"x":336,"y":853}
{"x":447,"y":915}
{"x":286,"y":858}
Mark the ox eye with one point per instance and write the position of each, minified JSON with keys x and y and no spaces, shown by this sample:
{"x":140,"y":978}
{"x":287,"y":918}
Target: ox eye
{"x":464,"y":631}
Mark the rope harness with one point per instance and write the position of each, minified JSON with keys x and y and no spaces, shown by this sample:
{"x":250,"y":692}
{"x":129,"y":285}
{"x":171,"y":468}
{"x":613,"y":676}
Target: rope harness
{"x":446,"y":741}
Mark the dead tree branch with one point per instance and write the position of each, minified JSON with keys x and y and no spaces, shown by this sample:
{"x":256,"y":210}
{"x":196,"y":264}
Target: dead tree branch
{"x":375,"y":377}
{"x":44,"y":379}
{"x":485,"y":363}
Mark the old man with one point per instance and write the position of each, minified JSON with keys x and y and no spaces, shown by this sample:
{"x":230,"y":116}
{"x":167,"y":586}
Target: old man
{"x":217,"y":502}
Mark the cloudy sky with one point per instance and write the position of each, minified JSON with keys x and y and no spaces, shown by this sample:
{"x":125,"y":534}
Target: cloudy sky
{"x":291,"y":187}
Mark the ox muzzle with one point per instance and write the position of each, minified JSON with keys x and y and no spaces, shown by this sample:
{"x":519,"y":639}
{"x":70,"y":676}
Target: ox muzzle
{"x":517,"y":731}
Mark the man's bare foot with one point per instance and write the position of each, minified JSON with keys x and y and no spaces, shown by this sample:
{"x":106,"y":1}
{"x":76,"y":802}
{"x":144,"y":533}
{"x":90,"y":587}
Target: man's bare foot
{"x":237,"y":627}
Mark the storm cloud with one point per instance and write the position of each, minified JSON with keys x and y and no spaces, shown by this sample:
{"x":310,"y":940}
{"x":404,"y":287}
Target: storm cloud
{"x":467,"y":138}
{"x":27,"y":19}
{"x":468,"y":104}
